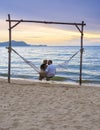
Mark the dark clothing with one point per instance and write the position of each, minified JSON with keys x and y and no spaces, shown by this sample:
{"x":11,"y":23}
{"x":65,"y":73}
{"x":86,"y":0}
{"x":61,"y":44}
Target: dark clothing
{"x":43,"y":67}
{"x":42,"y":73}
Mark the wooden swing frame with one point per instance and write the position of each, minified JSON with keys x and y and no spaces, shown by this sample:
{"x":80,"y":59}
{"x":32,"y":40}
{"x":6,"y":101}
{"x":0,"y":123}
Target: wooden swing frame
{"x":82,"y":24}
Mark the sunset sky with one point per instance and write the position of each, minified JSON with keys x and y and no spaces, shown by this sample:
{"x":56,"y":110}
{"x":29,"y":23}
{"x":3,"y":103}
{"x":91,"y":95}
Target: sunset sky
{"x":51,"y":10}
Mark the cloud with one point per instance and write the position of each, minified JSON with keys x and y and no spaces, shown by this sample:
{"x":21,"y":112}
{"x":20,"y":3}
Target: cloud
{"x":43,"y":34}
{"x":51,"y":35}
{"x":92,"y":38}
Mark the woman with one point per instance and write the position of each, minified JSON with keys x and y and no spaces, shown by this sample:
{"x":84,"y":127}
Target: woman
{"x":42,"y":70}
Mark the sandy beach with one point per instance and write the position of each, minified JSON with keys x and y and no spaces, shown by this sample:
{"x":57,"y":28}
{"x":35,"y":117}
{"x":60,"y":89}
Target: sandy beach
{"x":29,"y":105}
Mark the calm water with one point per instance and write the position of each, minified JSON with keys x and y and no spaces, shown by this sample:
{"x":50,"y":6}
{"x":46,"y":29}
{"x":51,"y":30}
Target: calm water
{"x":59,"y":55}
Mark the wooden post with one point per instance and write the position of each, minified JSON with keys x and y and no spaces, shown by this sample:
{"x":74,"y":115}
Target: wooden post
{"x":9,"y":50}
{"x":81,"y":53}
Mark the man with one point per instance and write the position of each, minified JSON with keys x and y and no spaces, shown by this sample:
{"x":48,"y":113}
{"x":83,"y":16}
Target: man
{"x":50,"y":70}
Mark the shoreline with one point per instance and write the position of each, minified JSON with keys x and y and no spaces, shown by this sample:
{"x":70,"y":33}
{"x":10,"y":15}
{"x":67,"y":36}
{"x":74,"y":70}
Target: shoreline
{"x":51,"y":81}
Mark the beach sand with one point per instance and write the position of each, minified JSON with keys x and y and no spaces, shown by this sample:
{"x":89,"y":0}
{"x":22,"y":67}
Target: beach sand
{"x":29,"y":105}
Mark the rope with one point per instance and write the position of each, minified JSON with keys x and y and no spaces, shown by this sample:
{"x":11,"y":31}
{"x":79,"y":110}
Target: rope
{"x":67,"y":61}
{"x":26,"y":61}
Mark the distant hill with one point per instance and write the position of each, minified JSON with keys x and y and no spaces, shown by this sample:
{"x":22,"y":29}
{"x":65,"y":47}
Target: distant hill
{"x":14,"y":43}
{"x":18,"y":43}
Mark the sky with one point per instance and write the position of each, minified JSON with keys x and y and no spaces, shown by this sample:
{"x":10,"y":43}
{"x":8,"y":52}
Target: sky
{"x":69,"y":11}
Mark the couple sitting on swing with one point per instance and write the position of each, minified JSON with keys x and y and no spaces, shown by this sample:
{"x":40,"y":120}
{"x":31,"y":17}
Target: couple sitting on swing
{"x":47,"y":70}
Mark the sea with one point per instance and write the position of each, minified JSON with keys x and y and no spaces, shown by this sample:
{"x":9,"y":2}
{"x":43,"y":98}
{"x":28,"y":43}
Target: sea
{"x":65,"y":58}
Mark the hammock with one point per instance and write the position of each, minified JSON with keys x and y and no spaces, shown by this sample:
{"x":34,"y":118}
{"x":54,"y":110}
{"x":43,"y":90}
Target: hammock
{"x":26,"y":61}
{"x":35,"y":68}
{"x":67,"y":61}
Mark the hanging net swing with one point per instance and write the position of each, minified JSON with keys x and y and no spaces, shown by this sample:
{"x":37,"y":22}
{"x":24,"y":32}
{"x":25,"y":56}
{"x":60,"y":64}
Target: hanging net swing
{"x":32,"y":65}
